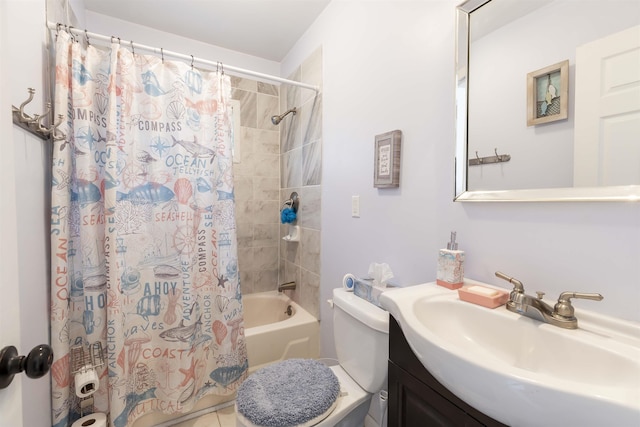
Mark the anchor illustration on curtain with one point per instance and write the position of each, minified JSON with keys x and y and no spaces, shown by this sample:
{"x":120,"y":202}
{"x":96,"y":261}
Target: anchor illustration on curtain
{"x":144,"y":252}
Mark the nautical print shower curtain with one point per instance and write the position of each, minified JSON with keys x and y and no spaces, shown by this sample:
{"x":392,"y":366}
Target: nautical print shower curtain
{"x":144,"y":253}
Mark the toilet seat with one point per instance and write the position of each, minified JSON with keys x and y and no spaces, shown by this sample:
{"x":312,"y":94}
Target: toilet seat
{"x":311,"y":423}
{"x":351,"y":397}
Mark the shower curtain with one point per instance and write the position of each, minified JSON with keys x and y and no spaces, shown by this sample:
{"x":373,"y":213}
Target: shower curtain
{"x":144,"y":252}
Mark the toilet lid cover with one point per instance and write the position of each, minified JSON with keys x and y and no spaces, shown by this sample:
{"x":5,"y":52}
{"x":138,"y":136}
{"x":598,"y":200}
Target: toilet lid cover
{"x":288,"y":393}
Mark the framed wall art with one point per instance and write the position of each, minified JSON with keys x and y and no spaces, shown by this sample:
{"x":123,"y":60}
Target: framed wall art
{"x":547,"y":94}
{"x":386,"y":173}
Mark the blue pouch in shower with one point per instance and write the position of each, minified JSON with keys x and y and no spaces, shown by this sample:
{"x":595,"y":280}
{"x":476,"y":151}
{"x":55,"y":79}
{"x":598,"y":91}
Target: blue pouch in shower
{"x":287,"y":215}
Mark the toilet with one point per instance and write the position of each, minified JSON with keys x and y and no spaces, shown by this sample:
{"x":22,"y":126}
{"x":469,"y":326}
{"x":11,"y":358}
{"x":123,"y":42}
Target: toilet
{"x":361,"y":334}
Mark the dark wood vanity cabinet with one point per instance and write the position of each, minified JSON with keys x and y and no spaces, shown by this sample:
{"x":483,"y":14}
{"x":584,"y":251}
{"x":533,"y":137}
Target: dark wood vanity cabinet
{"x":417,"y":399}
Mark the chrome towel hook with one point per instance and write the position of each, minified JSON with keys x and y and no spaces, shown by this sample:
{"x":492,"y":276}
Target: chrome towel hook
{"x":36,"y":123}
{"x":23,"y":117}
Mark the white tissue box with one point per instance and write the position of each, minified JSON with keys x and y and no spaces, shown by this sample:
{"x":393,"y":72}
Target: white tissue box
{"x":364,"y":289}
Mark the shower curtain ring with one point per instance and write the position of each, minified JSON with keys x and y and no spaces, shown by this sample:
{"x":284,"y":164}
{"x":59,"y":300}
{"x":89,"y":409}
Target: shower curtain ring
{"x":86,"y":37}
{"x":133,"y":50}
{"x":162,"y":54}
{"x":192,"y":62}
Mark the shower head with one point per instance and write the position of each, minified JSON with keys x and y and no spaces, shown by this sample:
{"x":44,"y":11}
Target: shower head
{"x":277,"y":119}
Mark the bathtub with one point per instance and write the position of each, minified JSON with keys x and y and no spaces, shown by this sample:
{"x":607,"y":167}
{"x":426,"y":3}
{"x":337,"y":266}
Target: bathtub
{"x":271,"y":335}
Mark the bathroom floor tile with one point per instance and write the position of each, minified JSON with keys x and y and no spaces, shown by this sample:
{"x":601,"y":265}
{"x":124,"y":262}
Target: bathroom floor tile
{"x":227,"y":416}
{"x":209,"y":420}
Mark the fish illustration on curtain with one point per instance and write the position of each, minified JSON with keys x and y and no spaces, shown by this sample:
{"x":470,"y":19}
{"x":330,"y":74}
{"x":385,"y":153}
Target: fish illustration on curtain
{"x":144,"y":245}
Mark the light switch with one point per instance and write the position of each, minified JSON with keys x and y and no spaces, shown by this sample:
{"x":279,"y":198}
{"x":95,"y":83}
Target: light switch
{"x":355,"y":206}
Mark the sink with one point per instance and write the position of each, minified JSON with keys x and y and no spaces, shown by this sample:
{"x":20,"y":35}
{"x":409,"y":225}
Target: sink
{"x":520,"y":371}
{"x":515,"y":341}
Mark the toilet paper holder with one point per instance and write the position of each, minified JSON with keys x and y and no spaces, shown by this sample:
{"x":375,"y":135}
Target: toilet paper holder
{"x":86,"y":359}
{"x":84,"y":362}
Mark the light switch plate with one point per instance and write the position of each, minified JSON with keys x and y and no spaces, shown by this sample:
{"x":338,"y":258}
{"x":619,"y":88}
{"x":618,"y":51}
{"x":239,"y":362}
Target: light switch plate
{"x":355,"y":206}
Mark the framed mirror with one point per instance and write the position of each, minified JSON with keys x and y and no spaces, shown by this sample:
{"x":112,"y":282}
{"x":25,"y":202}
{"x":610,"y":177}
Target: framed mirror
{"x":548,"y":100}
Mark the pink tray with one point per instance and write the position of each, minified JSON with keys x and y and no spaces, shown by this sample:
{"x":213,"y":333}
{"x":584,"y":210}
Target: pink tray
{"x":500,"y":297}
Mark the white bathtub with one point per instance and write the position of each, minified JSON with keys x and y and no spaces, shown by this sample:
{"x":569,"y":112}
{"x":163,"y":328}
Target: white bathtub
{"x":271,"y":335}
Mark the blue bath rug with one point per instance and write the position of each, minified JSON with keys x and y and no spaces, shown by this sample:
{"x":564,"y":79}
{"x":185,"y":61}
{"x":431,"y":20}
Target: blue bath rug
{"x":288,"y":393}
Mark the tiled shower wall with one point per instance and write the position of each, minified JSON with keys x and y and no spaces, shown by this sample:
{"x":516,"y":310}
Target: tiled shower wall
{"x":301,"y":167}
{"x":257,"y":185}
{"x":275,"y":161}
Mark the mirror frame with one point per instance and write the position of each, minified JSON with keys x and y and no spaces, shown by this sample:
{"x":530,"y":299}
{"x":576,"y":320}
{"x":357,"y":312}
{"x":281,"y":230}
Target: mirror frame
{"x":627,"y":193}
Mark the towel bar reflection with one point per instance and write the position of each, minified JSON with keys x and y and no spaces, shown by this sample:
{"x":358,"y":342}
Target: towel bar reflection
{"x":498,"y":158}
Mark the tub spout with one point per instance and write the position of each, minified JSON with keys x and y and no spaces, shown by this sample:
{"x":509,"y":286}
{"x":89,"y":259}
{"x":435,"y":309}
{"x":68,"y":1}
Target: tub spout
{"x":289,"y":286}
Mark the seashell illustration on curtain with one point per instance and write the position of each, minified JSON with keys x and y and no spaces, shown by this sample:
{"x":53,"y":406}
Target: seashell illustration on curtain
{"x":138,"y":263}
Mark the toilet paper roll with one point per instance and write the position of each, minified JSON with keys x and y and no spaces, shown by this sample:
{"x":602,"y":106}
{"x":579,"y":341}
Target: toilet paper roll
{"x":86,"y":382}
{"x":93,"y":420}
{"x":348,"y":282}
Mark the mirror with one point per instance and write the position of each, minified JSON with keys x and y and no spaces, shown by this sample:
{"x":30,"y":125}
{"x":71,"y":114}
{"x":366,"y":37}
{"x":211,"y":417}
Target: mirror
{"x":537,"y":59}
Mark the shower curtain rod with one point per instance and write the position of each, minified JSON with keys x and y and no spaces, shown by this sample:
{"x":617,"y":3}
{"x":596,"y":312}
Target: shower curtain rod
{"x":191,"y":58}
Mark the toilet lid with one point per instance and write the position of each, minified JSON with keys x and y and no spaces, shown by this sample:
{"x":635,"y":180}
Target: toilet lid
{"x":289,"y":393}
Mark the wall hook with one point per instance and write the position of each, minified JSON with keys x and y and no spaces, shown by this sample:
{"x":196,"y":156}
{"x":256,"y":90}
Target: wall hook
{"x":23,"y":117}
{"x":41,"y":127}
{"x":57,"y":133}
{"x":35,"y":123}
{"x":498,"y":158}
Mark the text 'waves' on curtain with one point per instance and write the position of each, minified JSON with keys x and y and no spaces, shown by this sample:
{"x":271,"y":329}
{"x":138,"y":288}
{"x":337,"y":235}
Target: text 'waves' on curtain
{"x":144,"y":252}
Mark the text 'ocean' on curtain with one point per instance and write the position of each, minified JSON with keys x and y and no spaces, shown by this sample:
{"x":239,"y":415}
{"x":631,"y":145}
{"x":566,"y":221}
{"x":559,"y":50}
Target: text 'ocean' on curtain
{"x":144,"y":252}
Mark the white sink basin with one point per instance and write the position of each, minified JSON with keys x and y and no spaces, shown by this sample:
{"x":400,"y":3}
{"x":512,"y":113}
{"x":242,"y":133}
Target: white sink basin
{"x":520,"y":371}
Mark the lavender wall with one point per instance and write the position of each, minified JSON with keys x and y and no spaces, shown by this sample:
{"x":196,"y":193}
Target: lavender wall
{"x":390,"y":65}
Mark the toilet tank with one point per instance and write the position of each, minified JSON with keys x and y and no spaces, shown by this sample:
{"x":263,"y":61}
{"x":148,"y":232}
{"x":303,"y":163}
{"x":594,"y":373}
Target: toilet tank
{"x":361,"y":334}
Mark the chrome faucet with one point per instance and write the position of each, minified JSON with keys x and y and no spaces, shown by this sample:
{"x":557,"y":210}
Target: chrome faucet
{"x":289,"y":286}
{"x":561,"y":315}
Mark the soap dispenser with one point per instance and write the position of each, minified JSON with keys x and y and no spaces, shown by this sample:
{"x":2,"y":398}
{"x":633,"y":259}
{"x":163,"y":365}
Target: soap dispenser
{"x":450,"y":272}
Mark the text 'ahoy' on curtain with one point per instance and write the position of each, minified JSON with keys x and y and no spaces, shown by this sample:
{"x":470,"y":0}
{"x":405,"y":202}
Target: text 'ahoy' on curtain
{"x":144,"y":252}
